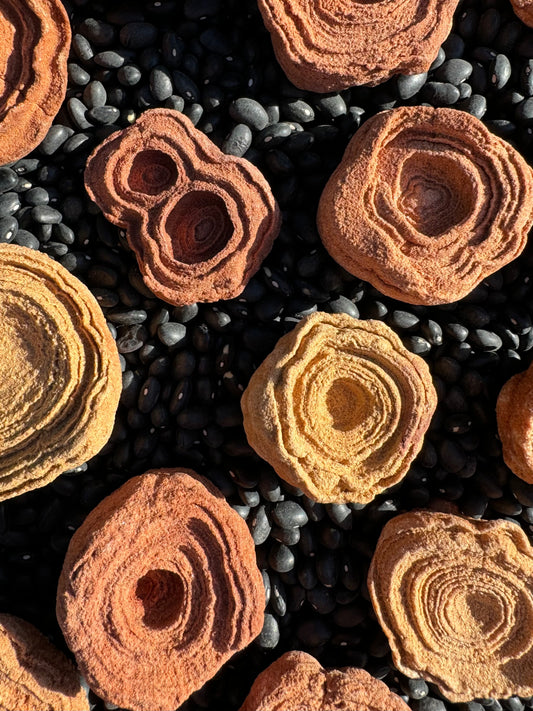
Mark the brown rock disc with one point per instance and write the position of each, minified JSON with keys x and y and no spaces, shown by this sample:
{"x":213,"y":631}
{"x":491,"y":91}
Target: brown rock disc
{"x":455,"y":599}
{"x":296,"y":681}
{"x":200,"y":222}
{"x":524,"y":10}
{"x":514,"y":414}
{"x":34,"y":46}
{"x":339,"y":408}
{"x":331,"y":45}
{"x":34,"y":675}
{"x":160,"y":576}
{"x":426,"y":203}
{"x":60,"y":378}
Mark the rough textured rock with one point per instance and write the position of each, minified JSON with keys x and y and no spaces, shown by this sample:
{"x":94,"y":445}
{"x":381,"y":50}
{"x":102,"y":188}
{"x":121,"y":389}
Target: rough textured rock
{"x":455,"y":599}
{"x":161,"y":575}
{"x":514,"y":413}
{"x":524,"y":10}
{"x":60,"y":377}
{"x":296,"y":681}
{"x":333,"y":44}
{"x":339,"y":408}
{"x":199,"y":222}
{"x":33,"y":673}
{"x":426,"y":203}
{"x":34,"y":46}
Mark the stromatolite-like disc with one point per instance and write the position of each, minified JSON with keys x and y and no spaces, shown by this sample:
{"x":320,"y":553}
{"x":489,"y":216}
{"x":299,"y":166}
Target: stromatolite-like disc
{"x":34,"y":46}
{"x":34,"y":675}
{"x":514,"y":413}
{"x":339,"y":408}
{"x":426,"y":203}
{"x":329,"y":45}
{"x":455,"y":599}
{"x":297,"y":682}
{"x":161,"y":583}
{"x":524,"y":10}
{"x":60,"y":378}
{"x":200,"y":222}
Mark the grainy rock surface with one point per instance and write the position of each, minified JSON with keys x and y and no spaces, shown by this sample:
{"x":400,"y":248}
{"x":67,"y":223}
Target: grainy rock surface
{"x":514,"y":412}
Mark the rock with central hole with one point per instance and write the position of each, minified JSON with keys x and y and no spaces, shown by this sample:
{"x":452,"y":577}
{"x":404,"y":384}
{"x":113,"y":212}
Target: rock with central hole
{"x":339,"y":408}
{"x":426,"y":203}
{"x":200,"y":222}
{"x":161,"y":583}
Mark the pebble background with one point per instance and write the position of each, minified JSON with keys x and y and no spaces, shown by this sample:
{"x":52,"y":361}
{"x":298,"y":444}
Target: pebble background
{"x":185,"y":368}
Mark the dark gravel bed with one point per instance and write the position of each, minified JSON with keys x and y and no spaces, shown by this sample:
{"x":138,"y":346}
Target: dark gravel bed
{"x":184,"y":369}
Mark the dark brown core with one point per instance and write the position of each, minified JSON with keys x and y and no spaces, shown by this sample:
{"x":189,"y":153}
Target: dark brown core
{"x":152,"y":172}
{"x":161,"y":595}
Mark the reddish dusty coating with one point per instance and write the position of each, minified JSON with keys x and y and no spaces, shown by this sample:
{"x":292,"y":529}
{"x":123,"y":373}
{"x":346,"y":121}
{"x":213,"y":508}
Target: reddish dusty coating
{"x":60,"y":377}
{"x":514,"y":414}
{"x":200,"y":222}
{"x":161,"y":583}
{"x":524,"y":10}
{"x":34,"y":46}
{"x":329,"y":45}
{"x":339,"y":408}
{"x":455,"y":598}
{"x":34,"y":675}
{"x":297,"y":682}
{"x":426,"y":203}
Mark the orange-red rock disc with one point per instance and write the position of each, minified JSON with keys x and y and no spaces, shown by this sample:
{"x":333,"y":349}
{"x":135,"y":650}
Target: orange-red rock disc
{"x":339,"y":408}
{"x":60,"y":377}
{"x":426,"y":203}
{"x":200,"y":222}
{"x":514,"y":414}
{"x":524,"y":10}
{"x":34,"y":675}
{"x":159,"y":588}
{"x":329,"y":45}
{"x":34,"y":46}
{"x":297,"y":682}
{"x":455,"y":599}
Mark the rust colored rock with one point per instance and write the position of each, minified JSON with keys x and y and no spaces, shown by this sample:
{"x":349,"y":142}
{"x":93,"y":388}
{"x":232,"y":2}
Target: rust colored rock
{"x":339,"y":408}
{"x":34,"y":47}
{"x":60,"y":377}
{"x":34,"y":675}
{"x":200,"y":222}
{"x":524,"y":10}
{"x":455,"y":598}
{"x":160,"y":576}
{"x":296,"y":681}
{"x":514,"y":414}
{"x":331,"y":45}
{"x":426,"y":203}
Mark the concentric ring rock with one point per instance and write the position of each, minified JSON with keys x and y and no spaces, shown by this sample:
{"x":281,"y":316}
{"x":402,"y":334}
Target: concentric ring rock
{"x":331,"y":45}
{"x":60,"y":377}
{"x":339,"y":408}
{"x":455,"y":599}
{"x":200,"y":222}
{"x":34,"y":675}
{"x":426,"y":203}
{"x":296,"y":681}
{"x":160,"y":576}
{"x":524,"y":10}
{"x":514,"y":414}
{"x":34,"y":46}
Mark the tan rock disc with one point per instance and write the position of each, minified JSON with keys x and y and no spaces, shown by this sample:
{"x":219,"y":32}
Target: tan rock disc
{"x":161,"y":583}
{"x":200,"y":222}
{"x":514,"y":414}
{"x":60,"y":377}
{"x":34,"y":675}
{"x":329,"y":45}
{"x":34,"y":47}
{"x":524,"y":10}
{"x":455,"y":598}
{"x":296,"y":681}
{"x":426,"y":203}
{"x":339,"y":408}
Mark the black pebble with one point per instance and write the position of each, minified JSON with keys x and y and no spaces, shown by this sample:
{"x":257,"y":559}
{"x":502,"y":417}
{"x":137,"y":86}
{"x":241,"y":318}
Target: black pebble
{"x":455,"y":71}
